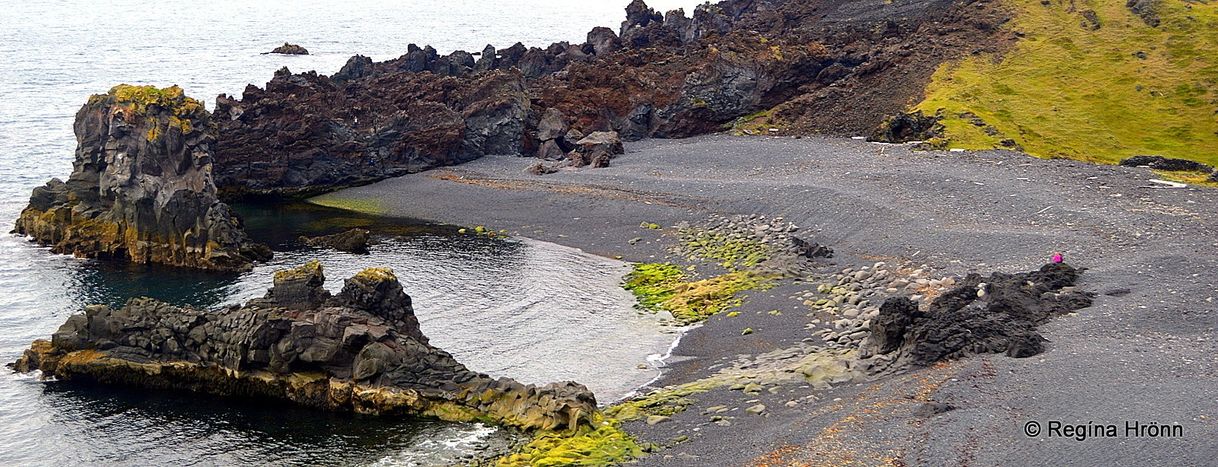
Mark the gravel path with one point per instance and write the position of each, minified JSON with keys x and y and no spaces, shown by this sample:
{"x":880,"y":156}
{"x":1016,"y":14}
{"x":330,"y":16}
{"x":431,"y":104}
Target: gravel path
{"x":1145,"y":356}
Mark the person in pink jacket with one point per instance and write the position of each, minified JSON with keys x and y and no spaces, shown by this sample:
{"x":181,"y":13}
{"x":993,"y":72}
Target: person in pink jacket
{"x":1057,"y":257}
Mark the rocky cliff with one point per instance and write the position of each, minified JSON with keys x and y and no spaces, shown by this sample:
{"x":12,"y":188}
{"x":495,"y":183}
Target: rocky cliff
{"x":768,"y":66}
{"x":360,"y":350}
{"x":141,"y":187}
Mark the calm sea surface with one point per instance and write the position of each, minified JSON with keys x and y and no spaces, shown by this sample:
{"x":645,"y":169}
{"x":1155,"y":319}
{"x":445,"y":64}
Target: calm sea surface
{"x":530,"y":310}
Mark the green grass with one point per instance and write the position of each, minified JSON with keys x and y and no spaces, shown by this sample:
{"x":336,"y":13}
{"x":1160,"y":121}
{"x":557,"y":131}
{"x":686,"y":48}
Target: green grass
{"x":1070,"y":92}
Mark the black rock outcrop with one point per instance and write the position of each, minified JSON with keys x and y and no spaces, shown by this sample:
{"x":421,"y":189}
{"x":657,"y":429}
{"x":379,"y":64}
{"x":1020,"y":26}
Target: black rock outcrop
{"x":994,"y":314}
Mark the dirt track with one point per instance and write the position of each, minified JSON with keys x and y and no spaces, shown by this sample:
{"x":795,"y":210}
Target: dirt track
{"x":1146,"y":356}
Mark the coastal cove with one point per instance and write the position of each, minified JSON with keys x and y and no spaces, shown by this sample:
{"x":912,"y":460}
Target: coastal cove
{"x":753,"y":232}
{"x":530,"y":310}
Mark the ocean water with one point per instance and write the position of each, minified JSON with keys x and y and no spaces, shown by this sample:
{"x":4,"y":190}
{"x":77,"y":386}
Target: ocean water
{"x":533,"y":311}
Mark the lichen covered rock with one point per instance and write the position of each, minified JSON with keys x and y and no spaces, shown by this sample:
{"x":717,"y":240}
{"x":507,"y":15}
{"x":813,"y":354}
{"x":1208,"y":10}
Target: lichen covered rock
{"x":141,"y":187}
{"x":360,"y":351}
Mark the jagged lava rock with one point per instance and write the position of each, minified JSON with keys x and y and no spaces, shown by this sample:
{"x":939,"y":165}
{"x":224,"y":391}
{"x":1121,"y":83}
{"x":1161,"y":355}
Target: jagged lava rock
{"x":831,"y":66}
{"x":360,"y":350}
{"x":994,"y":314}
{"x":307,"y":133}
{"x":141,"y":187}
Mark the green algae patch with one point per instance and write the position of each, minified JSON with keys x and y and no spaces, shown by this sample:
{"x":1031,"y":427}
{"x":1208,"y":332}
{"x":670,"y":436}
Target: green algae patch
{"x":654,"y":283}
{"x":664,"y":286}
{"x":360,"y":205}
{"x":664,"y":401}
{"x":1065,"y":91}
{"x":606,"y":444}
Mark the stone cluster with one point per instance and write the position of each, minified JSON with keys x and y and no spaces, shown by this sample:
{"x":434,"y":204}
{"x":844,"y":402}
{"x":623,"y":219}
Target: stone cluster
{"x":761,"y":244}
{"x":360,"y":350}
{"x":559,"y":142}
{"x":848,"y":300}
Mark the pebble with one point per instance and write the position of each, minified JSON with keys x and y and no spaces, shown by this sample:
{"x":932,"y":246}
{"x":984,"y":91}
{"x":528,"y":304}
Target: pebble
{"x":792,"y":403}
{"x":756,"y":409}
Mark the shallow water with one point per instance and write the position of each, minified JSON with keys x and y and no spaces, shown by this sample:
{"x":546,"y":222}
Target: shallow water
{"x":534,"y":311}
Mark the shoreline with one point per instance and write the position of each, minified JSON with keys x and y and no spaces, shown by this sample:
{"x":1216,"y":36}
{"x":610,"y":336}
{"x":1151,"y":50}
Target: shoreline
{"x":955,"y":211}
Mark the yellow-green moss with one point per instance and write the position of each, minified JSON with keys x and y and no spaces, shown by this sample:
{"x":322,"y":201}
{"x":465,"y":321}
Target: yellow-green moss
{"x":664,"y":287}
{"x":313,"y":267}
{"x":142,"y":97}
{"x":1068,"y":91}
{"x":376,"y":275}
{"x":606,"y":444}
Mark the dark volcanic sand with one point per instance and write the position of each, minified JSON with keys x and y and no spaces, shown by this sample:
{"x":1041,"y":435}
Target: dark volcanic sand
{"x":1146,"y":356}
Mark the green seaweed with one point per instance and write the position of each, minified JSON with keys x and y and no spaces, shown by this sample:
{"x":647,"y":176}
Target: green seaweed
{"x":606,"y":444}
{"x":663,"y":286}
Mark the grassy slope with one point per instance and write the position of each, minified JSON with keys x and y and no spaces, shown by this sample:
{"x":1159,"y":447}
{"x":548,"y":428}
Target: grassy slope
{"x":1067,"y":91}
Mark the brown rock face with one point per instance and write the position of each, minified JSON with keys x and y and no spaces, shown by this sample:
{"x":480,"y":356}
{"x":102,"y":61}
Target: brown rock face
{"x":141,"y":187}
{"x":360,"y":350}
{"x":796,"y":66}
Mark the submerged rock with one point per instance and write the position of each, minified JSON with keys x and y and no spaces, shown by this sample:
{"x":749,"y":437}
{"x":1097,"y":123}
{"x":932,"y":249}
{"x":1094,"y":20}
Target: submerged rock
{"x":141,"y":187}
{"x":290,"y":49}
{"x":360,"y":351}
{"x":995,"y":314}
{"x":351,"y":241}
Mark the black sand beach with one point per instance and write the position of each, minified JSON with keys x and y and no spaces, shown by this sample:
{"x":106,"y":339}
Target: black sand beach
{"x":1143,"y":356}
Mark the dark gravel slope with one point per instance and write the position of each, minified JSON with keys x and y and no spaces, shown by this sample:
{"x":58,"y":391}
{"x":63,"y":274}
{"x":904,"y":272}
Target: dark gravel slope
{"x":1143,"y":356}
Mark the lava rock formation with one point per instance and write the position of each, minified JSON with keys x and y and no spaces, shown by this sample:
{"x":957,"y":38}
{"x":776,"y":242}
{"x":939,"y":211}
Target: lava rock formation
{"x":360,"y":350}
